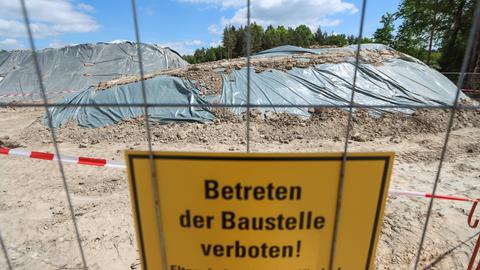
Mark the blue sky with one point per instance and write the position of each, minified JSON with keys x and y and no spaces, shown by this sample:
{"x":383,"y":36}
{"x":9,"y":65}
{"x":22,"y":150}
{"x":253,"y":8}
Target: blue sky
{"x":181,"y":24}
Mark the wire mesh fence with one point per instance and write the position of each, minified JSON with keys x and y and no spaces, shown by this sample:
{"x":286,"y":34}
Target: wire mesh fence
{"x":469,"y":82}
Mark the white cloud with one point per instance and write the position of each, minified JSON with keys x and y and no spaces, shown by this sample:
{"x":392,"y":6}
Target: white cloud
{"x":47,"y":17}
{"x":283,"y":12}
{"x":57,"y":44}
{"x":11,"y":28}
{"x":215,"y":29}
{"x":184,"y":47}
{"x":11,"y":44}
{"x":85,"y":7}
{"x":119,"y":41}
{"x":195,"y":42}
{"x":222,"y":3}
{"x":216,"y":43}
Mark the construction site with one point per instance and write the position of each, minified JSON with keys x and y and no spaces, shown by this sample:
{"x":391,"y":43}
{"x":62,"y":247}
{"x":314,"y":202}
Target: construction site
{"x":94,"y":97}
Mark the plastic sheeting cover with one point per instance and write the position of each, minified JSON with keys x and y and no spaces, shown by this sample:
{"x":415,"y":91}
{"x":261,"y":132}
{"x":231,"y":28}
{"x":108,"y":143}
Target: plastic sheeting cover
{"x":395,"y":82}
{"x":159,"y":90}
{"x":78,"y":67}
{"x":288,"y":50}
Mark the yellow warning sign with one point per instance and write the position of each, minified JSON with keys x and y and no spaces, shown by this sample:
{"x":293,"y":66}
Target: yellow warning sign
{"x":257,"y":211}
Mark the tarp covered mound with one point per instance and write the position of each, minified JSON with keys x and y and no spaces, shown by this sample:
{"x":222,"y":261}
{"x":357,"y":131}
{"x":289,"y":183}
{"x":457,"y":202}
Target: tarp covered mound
{"x":395,"y":81}
{"x":159,"y":90}
{"x":75,"y":68}
{"x":379,"y":49}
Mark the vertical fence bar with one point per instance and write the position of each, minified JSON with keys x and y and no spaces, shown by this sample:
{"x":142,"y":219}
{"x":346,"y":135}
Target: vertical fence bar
{"x":153,"y":172}
{"x":453,"y":110}
{"x":249,"y":52}
{"x":52,"y":130}
{"x":347,"y":137}
{"x":5,"y":253}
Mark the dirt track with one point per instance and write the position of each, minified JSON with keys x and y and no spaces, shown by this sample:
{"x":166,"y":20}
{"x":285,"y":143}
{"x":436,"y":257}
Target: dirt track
{"x":39,"y":235}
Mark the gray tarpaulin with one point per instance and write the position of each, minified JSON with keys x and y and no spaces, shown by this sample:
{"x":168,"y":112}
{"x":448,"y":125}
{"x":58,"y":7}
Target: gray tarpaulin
{"x":159,"y":90}
{"x":76,"y":68}
{"x":393,"y":82}
{"x":396,"y":81}
{"x":288,"y":50}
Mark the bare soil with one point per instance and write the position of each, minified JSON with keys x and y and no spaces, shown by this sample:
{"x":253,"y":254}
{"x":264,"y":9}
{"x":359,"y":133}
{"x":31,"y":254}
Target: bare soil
{"x":37,"y":228}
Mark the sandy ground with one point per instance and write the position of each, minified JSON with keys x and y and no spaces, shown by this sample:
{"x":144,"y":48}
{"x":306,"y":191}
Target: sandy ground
{"x":38,"y":232}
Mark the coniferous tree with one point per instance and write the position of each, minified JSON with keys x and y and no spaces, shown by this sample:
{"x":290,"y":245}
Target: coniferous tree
{"x":282,"y":33}
{"x":240,"y":44}
{"x":384,"y":35}
{"x":338,"y":40}
{"x":292,"y":37}
{"x":351,"y":39}
{"x":320,"y":36}
{"x":303,"y":36}
{"x":257,"y":37}
{"x":435,"y":31}
{"x":229,"y":40}
{"x":271,"y":38}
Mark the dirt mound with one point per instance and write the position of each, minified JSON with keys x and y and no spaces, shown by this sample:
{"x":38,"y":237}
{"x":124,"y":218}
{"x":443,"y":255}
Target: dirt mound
{"x":8,"y":143}
{"x":206,"y":76}
{"x":228,"y":128}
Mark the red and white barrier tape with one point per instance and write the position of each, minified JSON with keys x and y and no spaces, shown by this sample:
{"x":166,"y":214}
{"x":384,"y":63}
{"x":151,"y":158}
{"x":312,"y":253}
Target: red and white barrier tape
{"x":65,"y":159}
{"x":120,"y":165}
{"x":428,"y":195}
{"x":12,"y":95}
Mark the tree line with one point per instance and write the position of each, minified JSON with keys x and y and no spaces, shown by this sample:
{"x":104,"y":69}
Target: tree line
{"x":434,"y":31}
{"x":235,"y":44}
